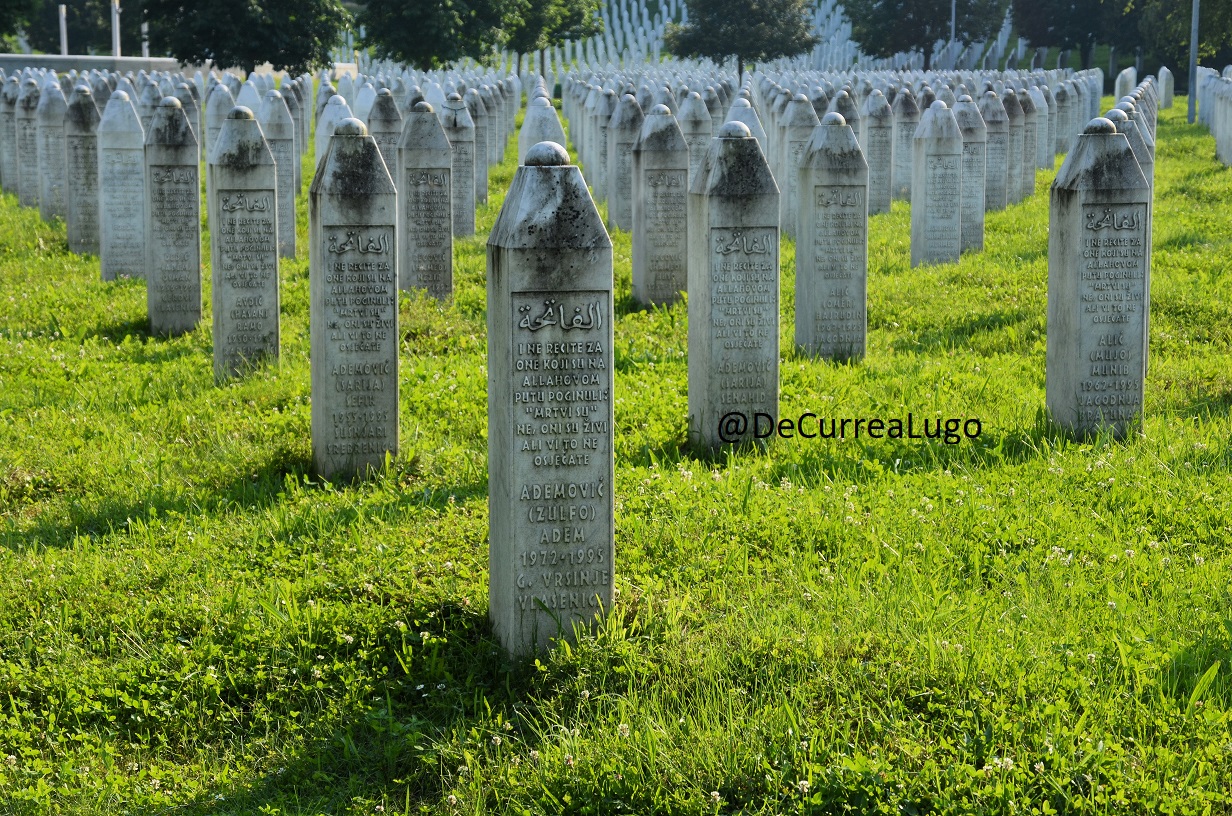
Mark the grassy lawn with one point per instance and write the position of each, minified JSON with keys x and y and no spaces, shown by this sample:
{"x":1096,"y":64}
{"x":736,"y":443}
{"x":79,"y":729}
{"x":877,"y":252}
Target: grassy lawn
{"x":191,"y":623}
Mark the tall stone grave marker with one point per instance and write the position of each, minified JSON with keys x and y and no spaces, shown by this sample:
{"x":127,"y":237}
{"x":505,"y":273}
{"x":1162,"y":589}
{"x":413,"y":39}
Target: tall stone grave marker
{"x":479,"y":115}
{"x":799,"y":121}
{"x":832,"y":244}
{"x":26,"y":117}
{"x":698,"y":129}
{"x":550,"y":369}
{"x":460,"y":130}
{"x":51,"y":110}
{"x":997,"y":152}
{"x":279,"y":130}
{"x":974,"y":166}
{"x":906,"y":120}
{"x":660,"y":200}
{"x":172,"y":221}
{"x":878,"y":146}
{"x":1097,"y":286}
{"x":8,"y":135}
{"x":936,"y":194}
{"x":242,"y":198}
{"x":81,"y":171}
{"x":353,"y":284}
{"x":217,"y":105}
{"x":733,"y":289}
{"x":622,"y":132}
{"x":425,"y":162}
{"x":1014,"y":156}
{"x":384,"y":125}
{"x":121,"y":188}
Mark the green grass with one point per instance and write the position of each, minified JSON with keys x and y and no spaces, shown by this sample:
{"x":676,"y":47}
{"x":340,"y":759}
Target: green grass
{"x":191,"y":623}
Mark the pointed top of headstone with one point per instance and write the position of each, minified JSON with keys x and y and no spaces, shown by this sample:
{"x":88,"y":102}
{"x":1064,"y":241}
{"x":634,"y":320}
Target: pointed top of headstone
{"x":120,"y":116}
{"x":169,"y":125}
{"x":1100,"y":158}
{"x":241,"y":143}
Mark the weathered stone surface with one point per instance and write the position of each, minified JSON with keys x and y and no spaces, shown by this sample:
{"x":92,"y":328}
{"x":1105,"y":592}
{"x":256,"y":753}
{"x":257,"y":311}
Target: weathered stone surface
{"x":996,"y":178}
{"x":832,"y":244}
{"x":733,"y":289}
{"x":50,"y":114}
{"x":336,"y":109}
{"x":906,"y":120}
{"x":974,"y":166}
{"x":479,"y":115}
{"x":121,"y":186}
{"x":384,"y":123}
{"x":26,"y":117}
{"x":936,"y":194}
{"x":425,"y":214}
{"x":1015,"y":117}
{"x":217,"y":105}
{"x":698,"y":128}
{"x":460,"y":130}
{"x":622,"y":132}
{"x":1030,"y":132}
{"x":242,"y":198}
{"x":798,"y":122}
{"x":1097,"y":285}
{"x":1167,"y":85}
{"x":81,"y":170}
{"x":541,"y":124}
{"x":878,"y":146}
{"x":9,"y":176}
{"x":279,"y":130}
{"x":660,"y":218}
{"x":353,"y":318}
{"x":172,"y":221}
{"x":550,"y":369}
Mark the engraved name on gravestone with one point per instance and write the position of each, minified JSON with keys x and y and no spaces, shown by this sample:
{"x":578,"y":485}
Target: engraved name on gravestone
{"x":173,"y":221}
{"x":622,"y":132}
{"x":81,"y":171}
{"x":243,"y":212}
{"x":798,"y":123}
{"x":550,"y":369}
{"x":1097,"y":296}
{"x":121,"y":187}
{"x":424,"y":204}
{"x":832,"y":244}
{"x":51,"y":109}
{"x":660,"y":221}
{"x":878,"y":150}
{"x":733,"y":287}
{"x":353,"y":319}
{"x":996,"y":151}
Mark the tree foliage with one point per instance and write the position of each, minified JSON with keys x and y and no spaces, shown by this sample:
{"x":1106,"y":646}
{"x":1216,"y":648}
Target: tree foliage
{"x":15,"y":14}
{"x":749,"y":30}
{"x":1163,"y":27}
{"x":546,"y":23}
{"x":1065,"y":24}
{"x":89,"y":26}
{"x":295,"y":35}
{"x":428,"y":33}
{"x":884,"y":28}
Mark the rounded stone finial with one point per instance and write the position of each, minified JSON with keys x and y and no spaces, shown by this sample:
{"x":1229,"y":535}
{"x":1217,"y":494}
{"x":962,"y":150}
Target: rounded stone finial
{"x":350,"y":127}
{"x":384,"y":92}
{"x":454,"y":97}
{"x":694,"y":95}
{"x":734,"y":130}
{"x":799,"y":98}
{"x":1116,"y":116}
{"x":833,"y":119}
{"x":170,"y":102}
{"x":538,"y":102}
{"x":241,"y":112}
{"x":336,"y":100}
{"x":1099,"y":126}
{"x":423,"y":107}
{"x":965,"y":99}
{"x":741,"y":102}
{"x":660,"y":110}
{"x":547,"y":154}
{"x":273,"y":94}
{"x":938,"y":106}
{"x":120,"y":95}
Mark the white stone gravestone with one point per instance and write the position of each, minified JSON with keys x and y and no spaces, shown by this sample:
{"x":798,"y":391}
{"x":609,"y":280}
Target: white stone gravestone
{"x":660,"y":220}
{"x":936,"y":190}
{"x":425,"y":212}
{"x":121,"y":189}
{"x":172,"y":221}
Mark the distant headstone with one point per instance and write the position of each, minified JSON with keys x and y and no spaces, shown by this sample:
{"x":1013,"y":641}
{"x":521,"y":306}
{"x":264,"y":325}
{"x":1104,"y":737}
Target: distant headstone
{"x":996,"y":179}
{"x":81,"y":171}
{"x":242,"y":198}
{"x":541,"y":124}
{"x":936,"y":190}
{"x":733,"y":289}
{"x":425,"y":213}
{"x":622,"y":132}
{"x":479,"y":115}
{"x":26,"y":117}
{"x":1166,"y":86}
{"x":906,"y":120}
{"x":279,"y":129}
{"x":974,"y":167}
{"x":832,"y":244}
{"x":217,"y":105}
{"x":1030,"y":132}
{"x":173,"y":221}
{"x":1097,"y":286}
{"x":1014,"y":156}
{"x":878,"y":120}
{"x":798,"y":123}
{"x":550,"y":398}
{"x":353,"y":319}
{"x":121,"y":188}
{"x":1125,"y":81}
{"x":460,"y":130}
{"x":384,"y":125}
{"x":698,"y":129}
{"x":51,"y":110}
{"x":336,"y":109}
{"x":660,"y":220}
{"x":9,"y":176}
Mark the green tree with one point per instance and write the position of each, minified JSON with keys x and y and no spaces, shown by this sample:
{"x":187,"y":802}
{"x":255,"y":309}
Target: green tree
{"x":15,"y":14}
{"x":1075,"y":24}
{"x":749,"y":30}
{"x":541,"y":25}
{"x":1163,"y":26}
{"x":426,"y":34}
{"x":292,"y":35}
{"x":884,"y":28}
{"x":89,"y":26}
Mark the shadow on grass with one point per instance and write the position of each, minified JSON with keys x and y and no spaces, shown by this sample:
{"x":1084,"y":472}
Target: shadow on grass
{"x":1192,"y":679}
{"x":961,"y":333}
